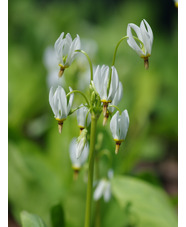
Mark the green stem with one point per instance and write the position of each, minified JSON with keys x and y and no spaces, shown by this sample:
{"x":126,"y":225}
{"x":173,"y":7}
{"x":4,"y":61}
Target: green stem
{"x":76,"y":91}
{"x":90,"y":171}
{"x":116,"y":108}
{"x":97,"y":205}
{"x":125,"y":37}
{"x":114,"y":57}
{"x":90,"y":63}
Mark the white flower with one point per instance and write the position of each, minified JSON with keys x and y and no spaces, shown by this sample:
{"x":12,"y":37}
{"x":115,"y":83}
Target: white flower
{"x":119,"y":126}
{"x":145,"y":35}
{"x":101,"y":82}
{"x":78,"y":162}
{"x":104,"y":188}
{"x":82,"y":117}
{"x":59,"y":105}
{"x":65,"y":49}
{"x":117,"y":97}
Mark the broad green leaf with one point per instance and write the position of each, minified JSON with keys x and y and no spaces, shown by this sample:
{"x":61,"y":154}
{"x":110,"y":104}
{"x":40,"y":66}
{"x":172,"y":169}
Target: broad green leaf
{"x":149,"y":204}
{"x":57,"y":216}
{"x":31,"y":220}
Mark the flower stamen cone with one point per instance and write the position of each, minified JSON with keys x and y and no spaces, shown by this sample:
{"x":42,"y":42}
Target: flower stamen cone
{"x":118,"y":143}
{"x":105,"y":106}
{"x":61,"y":71}
{"x":105,"y":118}
{"x":76,"y":173}
{"x":146,"y":62}
{"x":60,"y":124}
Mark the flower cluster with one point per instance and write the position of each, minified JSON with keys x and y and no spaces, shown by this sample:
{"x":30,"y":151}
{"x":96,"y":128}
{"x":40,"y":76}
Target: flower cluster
{"x":106,"y":91}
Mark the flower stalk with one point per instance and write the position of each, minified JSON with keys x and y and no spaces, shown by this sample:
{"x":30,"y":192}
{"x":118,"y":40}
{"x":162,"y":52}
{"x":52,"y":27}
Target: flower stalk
{"x":90,"y":171}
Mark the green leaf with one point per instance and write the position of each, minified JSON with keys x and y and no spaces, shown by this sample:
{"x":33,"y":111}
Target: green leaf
{"x":150,"y":205}
{"x":31,"y":220}
{"x":57,"y":216}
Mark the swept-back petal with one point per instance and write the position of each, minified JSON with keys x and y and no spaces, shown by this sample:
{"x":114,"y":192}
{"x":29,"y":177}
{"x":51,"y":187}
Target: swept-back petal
{"x":114,"y":83}
{"x":75,"y":45}
{"x":114,"y":127}
{"x":62,"y":102}
{"x":51,"y":100}
{"x":70,"y":101}
{"x":147,"y":36}
{"x":132,"y":43}
{"x":124,"y":124}
{"x":97,"y":79}
{"x":78,"y":162}
{"x":104,"y":83}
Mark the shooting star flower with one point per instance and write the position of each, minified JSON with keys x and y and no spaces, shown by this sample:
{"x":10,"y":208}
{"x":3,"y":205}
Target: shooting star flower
{"x":105,"y":85}
{"x":65,"y":49}
{"x":59,"y":105}
{"x":77,"y":163}
{"x":143,"y":43}
{"x":119,"y":125}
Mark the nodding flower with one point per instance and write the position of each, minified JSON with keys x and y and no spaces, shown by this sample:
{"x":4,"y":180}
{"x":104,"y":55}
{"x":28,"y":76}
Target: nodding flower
{"x":104,"y":188}
{"x":119,"y":125}
{"x":143,"y":43}
{"x":106,"y":85}
{"x":65,"y":49}
{"x":77,"y":162}
{"x":83,"y":117}
{"x":59,"y":105}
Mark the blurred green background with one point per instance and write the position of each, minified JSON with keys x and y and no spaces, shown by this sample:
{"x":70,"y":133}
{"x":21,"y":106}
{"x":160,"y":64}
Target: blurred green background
{"x":40,"y":174}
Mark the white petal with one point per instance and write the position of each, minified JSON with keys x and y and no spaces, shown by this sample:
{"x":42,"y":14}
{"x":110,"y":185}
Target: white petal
{"x":132,"y":43}
{"x":99,"y":190}
{"x":70,"y":101}
{"x":57,"y":45}
{"x":78,"y":162}
{"x":147,"y":36}
{"x":81,"y":116}
{"x":75,"y":45}
{"x":104,"y":82}
{"x":114,"y":83}
{"x":51,"y":94}
{"x":114,"y":125}
{"x":124,"y":124}
{"x":84,"y":154}
{"x":72,"y":151}
{"x":96,"y":79}
{"x":62,"y":102}
{"x":118,"y":95}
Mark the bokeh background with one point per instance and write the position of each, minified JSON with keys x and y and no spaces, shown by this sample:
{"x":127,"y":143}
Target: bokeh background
{"x":40,"y":174}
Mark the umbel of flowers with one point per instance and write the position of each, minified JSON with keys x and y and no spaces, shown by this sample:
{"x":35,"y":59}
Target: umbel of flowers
{"x":106,"y":91}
